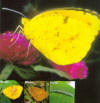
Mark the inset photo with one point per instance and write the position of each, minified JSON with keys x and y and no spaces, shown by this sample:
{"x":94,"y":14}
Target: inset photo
{"x":11,"y":91}
{"x":36,"y":92}
{"x":62,"y":92}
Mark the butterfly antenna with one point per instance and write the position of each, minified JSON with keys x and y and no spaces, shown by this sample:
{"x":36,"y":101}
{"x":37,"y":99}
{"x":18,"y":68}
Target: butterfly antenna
{"x":8,"y":9}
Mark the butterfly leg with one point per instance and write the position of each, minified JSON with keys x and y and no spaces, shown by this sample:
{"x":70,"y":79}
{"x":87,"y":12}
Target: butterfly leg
{"x":15,"y":40}
{"x":18,"y":27}
{"x":20,"y":31}
{"x":29,"y":46}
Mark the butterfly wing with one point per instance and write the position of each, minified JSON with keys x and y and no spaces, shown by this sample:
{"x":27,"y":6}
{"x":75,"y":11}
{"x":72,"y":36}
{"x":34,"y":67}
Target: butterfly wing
{"x":13,"y":92}
{"x":38,"y":94}
{"x":63,"y":36}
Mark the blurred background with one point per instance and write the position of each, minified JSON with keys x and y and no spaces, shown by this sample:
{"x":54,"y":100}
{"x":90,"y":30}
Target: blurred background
{"x":88,"y":90}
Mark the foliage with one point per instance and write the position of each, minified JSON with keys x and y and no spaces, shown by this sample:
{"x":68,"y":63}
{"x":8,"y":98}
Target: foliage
{"x":61,"y":92}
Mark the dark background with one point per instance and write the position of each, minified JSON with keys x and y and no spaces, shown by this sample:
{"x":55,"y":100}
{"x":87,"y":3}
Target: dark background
{"x":88,"y":90}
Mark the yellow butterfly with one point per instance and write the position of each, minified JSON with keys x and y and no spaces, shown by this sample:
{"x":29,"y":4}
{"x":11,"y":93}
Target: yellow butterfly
{"x":13,"y":92}
{"x":63,"y":35}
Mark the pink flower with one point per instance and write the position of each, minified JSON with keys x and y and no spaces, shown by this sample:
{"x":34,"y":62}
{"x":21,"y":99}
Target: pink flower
{"x":14,"y":48}
{"x":75,"y":71}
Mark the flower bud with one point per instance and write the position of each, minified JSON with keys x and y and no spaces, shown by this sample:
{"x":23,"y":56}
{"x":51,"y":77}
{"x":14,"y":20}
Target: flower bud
{"x":75,"y":71}
{"x":14,"y":48}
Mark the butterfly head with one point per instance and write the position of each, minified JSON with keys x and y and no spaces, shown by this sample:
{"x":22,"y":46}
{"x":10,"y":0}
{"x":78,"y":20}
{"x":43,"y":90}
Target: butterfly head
{"x":24,"y":21}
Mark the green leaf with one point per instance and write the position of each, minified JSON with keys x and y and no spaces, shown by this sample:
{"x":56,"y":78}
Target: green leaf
{"x":7,"y":83}
{"x":61,"y":92}
{"x":6,"y":72}
{"x":24,"y":73}
{"x":4,"y":99}
{"x":41,"y":68}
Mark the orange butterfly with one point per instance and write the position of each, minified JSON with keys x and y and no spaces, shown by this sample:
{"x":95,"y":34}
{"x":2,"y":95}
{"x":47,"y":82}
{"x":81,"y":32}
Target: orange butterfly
{"x":38,"y":94}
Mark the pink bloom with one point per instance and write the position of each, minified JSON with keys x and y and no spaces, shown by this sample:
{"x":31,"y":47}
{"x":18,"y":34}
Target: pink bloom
{"x":75,"y":71}
{"x":14,"y":48}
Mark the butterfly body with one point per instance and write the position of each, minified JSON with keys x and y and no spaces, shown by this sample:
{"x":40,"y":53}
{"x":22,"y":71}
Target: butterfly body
{"x":63,"y":35}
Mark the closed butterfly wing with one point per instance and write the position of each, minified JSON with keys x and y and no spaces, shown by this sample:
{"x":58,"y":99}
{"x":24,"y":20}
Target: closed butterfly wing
{"x":64,"y":36}
{"x":38,"y":94}
{"x":13,"y":92}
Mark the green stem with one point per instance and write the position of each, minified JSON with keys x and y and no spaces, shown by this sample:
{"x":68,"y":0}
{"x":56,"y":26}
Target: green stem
{"x":92,"y":61}
{"x":37,"y":4}
{"x":29,"y":96}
